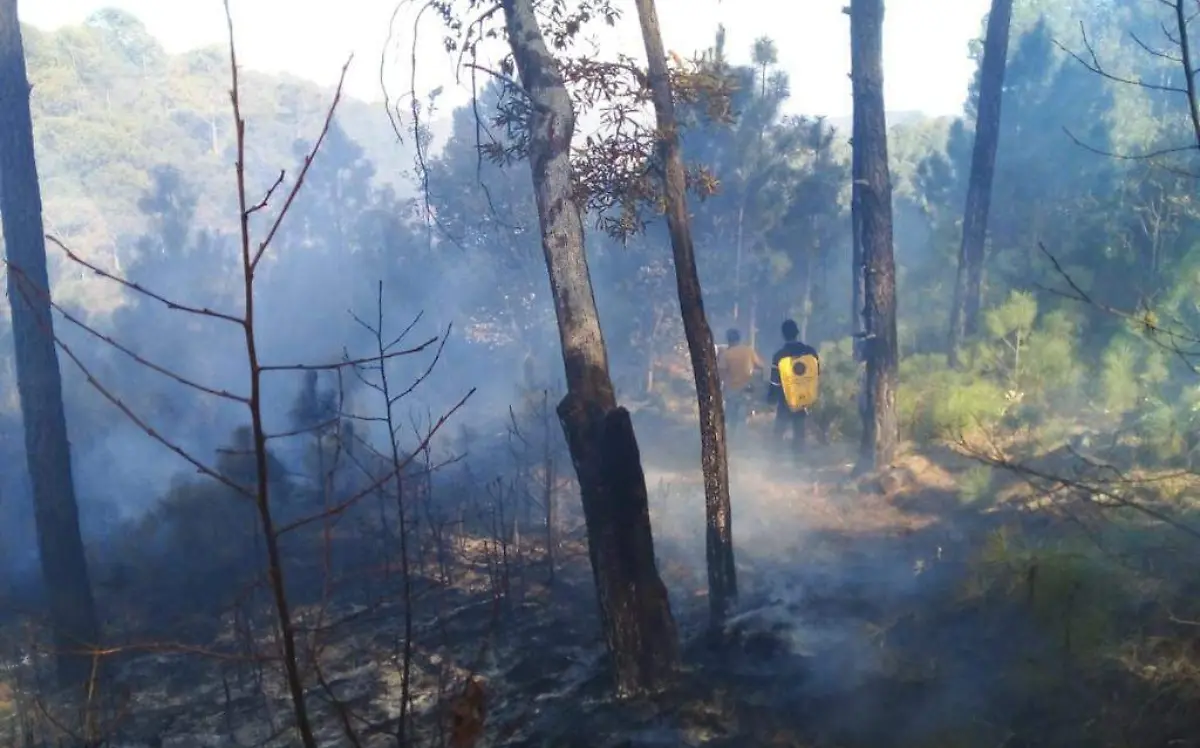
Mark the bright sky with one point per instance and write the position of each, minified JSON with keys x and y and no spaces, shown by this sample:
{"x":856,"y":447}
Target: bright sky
{"x":925,"y":42}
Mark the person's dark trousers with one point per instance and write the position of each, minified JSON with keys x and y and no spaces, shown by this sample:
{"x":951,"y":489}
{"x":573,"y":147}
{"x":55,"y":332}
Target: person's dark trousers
{"x":787,"y":420}
{"x":733,"y":412}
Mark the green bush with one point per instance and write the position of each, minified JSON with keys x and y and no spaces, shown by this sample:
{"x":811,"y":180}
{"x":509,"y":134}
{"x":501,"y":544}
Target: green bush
{"x":1025,"y":372}
{"x":937,"y":402}
{"x":835,"y":414}
{"x":1166,"y":430}
{"x":1074,"y":590}
{"x":1033,"y":356}
{"x":1051,"y":366}
{"x":1120,"y":392}
{"x":1021,"y":363}
{"x":975,"y":484}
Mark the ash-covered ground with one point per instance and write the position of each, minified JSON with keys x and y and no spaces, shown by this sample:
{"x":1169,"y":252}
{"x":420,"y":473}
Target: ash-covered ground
{"x":872,"y":613}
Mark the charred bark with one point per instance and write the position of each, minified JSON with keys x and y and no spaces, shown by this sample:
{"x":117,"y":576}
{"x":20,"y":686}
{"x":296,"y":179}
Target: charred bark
{"x":880,"y":428}
{"x":39,"y":381}
{"x":635,"y":613}
{"x":968,"y":288}
{"x":857,"y":272}
{"x":722,"y":575}
{"x":857,"y":292}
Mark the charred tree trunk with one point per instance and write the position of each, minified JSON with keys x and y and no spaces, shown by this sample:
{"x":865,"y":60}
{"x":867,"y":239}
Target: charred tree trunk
{"x":968,"y":288}
{"x":857,"y":185}
{"x":722,"y":577}
{"x":880,"y":429}
{"x":39,"y":381}
{"x":635,"y":613}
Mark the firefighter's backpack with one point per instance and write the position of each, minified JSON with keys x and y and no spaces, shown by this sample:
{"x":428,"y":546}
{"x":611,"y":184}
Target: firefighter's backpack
{"x":799,"y":376}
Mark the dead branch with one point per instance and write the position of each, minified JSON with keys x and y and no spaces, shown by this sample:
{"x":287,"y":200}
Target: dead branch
{"x":308,"y":159}
{"x":142,"y":290}
{"x":112,"y":342}
{"x":137,"y":420}
{"x":333,"y":366}
{"x":350,"y":501}
{"x":1181,"y":39}
{"x":1171,"y":339}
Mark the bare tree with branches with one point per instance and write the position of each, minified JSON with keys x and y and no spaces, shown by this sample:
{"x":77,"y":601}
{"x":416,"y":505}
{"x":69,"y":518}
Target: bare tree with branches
{"x":614,"y":178}
{"x":256,"y":479}
{"x":635,"y":613}
{"x":375,"y":376}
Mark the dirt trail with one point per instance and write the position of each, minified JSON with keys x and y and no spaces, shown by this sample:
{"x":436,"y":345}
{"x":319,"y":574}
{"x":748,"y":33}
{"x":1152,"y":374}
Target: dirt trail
{"x":827,"y":565}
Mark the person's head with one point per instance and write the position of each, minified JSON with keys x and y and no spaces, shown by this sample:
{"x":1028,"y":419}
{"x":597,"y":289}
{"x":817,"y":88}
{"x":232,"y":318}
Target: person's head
{"x":791,"y":330}
{"x":733,"y":337}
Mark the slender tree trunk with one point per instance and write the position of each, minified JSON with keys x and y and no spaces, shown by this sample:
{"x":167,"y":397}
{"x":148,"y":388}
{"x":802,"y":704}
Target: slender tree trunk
{"x":807,"y":263}
{"x":754,"y":319}
{"x":856,"y":234}
{"x":634,"y":610}
{"x":549,"y":500}
{"x":722,"y":576}
{"x":39,"y":381}
{"x":968,"y":288}
{"x":737,"y":264}
{"x":880,"y":430}
{"x":857,"y":292}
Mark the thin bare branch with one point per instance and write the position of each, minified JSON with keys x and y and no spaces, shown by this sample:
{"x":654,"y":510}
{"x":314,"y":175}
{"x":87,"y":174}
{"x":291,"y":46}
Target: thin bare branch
{"x":1094,"y":66}
{"x":1098,"y":493}
{"x":308,"y":160}
{"x":140,"y":289}
{"x":109,"y":340}
{"x":125,"y":409}
{"x":345,"y":504}
{"x":261,"y":204}
{"x":350,"y":362}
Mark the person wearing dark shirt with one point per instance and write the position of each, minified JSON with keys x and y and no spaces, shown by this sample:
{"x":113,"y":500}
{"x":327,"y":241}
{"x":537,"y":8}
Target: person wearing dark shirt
{"x":785,"y":418}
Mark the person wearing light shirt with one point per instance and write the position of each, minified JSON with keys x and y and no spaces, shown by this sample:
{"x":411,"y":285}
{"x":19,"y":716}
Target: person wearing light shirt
{"x":737,"y":365}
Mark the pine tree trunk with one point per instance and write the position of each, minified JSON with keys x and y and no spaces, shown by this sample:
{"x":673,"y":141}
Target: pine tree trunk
{"x":968,"y":288}
{"x":635,"y":613}
{"x":880,"y":429}
{"x":722,"y":576}
{"x":857,"y":295}
{"x":39,"y":381}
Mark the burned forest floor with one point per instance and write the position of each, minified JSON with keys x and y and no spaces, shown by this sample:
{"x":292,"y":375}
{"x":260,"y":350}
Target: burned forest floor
{"x":933,"y":606}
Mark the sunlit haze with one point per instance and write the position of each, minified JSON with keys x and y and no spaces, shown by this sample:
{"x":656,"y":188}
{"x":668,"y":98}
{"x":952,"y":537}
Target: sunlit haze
{"x":925,"y":42}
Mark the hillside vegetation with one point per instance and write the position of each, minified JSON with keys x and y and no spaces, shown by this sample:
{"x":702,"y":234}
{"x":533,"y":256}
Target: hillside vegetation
{"x":110,"y":107}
